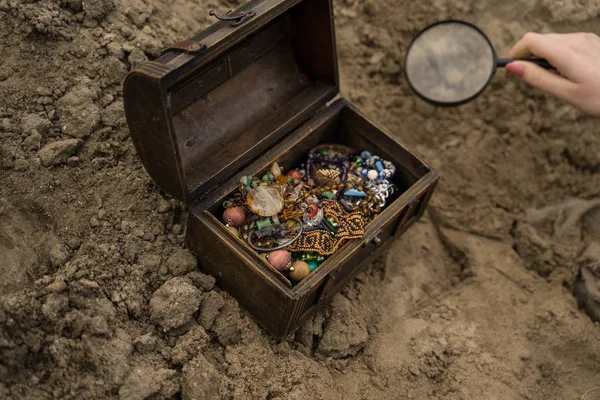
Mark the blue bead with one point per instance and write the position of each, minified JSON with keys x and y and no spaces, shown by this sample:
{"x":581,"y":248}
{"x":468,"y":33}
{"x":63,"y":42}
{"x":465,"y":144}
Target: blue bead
{"x":312,"y":265}
{"x":354,"y":193}
{"x":379,"y":166}
{"x":366,"y":154}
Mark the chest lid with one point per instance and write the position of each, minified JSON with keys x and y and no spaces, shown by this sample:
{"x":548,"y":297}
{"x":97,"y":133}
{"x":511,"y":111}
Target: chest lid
{"x":210,"y":105}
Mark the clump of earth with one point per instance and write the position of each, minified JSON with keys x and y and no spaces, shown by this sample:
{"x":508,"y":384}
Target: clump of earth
{"x":494,"y":294}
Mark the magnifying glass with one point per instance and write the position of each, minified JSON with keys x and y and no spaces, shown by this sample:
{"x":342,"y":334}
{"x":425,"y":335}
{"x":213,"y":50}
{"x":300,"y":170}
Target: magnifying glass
{"x":451,"y":62}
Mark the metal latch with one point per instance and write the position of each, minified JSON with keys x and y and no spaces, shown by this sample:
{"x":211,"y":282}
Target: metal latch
{"x":236,"y":19}
{"x":374,"y":240}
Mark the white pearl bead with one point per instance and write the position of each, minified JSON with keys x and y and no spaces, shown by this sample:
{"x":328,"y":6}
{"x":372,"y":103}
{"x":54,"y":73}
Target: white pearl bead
{"x":372,"y":174}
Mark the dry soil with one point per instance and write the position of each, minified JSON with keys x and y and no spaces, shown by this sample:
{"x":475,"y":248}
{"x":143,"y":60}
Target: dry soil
{"x":99,"y":299}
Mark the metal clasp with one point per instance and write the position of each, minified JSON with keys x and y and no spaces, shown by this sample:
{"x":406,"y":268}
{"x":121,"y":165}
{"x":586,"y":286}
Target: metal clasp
{"x":237,"y":19}
{"x":374,"y":240}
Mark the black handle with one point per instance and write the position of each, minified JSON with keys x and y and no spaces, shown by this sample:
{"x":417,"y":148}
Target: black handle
{"x":537,"y":61}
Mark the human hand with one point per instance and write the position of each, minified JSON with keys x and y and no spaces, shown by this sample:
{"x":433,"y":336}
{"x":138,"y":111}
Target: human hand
{"x":576,"y":57}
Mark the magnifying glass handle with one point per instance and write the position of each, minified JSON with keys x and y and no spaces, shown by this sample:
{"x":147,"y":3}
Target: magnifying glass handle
{"x":538,"y":61}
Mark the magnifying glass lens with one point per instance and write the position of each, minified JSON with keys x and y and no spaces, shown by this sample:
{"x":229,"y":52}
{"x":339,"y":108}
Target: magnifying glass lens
{"x":450,"y":63}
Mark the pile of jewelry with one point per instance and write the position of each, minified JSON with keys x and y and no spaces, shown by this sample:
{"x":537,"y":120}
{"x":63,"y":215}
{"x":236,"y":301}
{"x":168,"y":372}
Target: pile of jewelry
{"x":295,"y":220}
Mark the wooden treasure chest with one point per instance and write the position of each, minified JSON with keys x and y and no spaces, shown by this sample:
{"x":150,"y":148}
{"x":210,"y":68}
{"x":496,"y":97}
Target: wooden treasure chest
{"x":261,"y":87}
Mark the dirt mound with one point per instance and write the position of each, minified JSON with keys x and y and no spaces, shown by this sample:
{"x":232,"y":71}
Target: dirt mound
{"x":92,"y":254}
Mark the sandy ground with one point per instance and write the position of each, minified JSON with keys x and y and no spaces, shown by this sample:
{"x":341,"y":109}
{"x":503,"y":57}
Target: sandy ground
{"x":477,"y":301}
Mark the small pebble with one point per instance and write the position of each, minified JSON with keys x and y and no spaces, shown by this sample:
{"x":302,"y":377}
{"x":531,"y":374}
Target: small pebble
{"x":163,"y":206}
{"x":21,"y":165}
{"x":276,"y":170}
{"x":177,"y":229}
{"x":57,"y":286}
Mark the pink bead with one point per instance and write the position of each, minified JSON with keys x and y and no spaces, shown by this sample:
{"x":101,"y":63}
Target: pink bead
{"x":234,"y":216}
{"x":280,"y":259}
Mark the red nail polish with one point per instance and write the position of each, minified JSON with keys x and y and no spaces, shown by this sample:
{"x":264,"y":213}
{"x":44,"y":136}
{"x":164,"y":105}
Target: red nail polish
{"x":516,"y":69}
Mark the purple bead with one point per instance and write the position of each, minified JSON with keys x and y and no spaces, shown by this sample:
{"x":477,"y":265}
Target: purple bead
{"x":234,"y":216}
{"x":346,"y":205}
{"x":253,"y":218}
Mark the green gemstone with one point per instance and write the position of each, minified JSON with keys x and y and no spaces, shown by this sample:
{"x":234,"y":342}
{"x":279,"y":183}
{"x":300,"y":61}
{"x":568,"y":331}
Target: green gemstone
{"x":330,"y":227}
{"x":307,"y":256}
{"x":263,"y":223}
{"x":329,"y":195}
{"x":244,"y":180}
{"x":312,"y":265}
{"x":324,"y":152}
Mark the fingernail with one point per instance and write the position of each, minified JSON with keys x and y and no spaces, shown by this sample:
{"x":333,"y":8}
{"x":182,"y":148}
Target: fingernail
{"x":516,"y":69}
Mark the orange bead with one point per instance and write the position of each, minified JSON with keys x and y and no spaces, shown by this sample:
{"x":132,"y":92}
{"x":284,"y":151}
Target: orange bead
{"x":312,"y":210}
{"x":299,"y":270}
{"x":281,"y":179}
{"x":295,"y":174}
{"x":234,"y":230}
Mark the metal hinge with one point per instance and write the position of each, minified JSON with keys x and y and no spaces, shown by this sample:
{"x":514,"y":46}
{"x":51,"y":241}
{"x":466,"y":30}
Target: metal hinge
{"x":236,"y":19}
{"x":326,"y":106}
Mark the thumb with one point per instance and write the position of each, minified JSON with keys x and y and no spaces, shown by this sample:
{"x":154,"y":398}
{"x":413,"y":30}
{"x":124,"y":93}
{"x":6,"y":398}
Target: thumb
{"x":542,"y":79}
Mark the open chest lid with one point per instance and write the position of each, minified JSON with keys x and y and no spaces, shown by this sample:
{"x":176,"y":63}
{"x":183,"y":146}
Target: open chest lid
{"x":210,"y":105}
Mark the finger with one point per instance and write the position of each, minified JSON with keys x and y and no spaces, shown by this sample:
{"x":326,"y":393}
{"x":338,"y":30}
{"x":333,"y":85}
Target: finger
{"x":542,"y":79}
{"x":535,"y":44}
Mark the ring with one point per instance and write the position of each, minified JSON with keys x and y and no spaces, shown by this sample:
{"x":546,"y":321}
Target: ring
{"x":280,"y":246}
